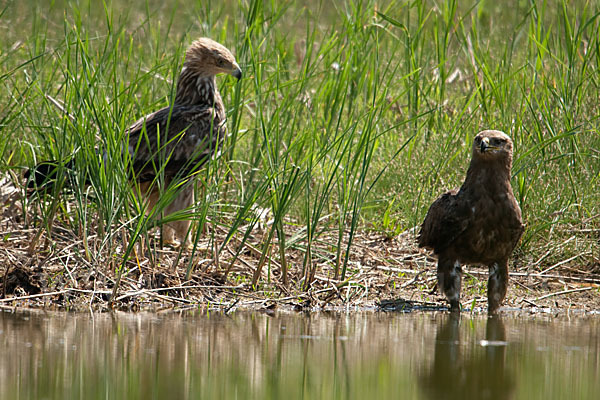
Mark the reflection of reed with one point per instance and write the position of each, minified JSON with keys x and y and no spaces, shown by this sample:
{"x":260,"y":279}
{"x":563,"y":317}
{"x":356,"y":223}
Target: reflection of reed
{"x":289,"y":356}
{"x":460,"y":372}
{"x":177,"y":355}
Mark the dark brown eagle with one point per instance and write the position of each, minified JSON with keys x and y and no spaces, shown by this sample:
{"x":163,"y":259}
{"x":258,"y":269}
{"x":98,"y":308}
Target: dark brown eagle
{"x":480,"y":223}
{"x":175,"y":140}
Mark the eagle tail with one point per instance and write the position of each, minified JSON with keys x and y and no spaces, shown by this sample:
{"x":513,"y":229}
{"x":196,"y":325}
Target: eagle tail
{"x":44,"y":176}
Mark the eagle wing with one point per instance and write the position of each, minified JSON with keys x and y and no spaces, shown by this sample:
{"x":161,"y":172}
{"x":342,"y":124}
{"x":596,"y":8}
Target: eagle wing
{"x":174,"y":141}
{"x":447,"y":218}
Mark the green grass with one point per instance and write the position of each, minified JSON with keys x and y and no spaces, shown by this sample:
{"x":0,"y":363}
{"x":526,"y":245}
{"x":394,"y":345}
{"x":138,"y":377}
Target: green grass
{"x":351,"y":116}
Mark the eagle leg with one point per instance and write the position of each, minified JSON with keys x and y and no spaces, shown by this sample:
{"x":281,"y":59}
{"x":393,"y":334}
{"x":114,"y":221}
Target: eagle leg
{"x":180,"y":229}
{"x":449,"y":275}
{"x":497,"y":284}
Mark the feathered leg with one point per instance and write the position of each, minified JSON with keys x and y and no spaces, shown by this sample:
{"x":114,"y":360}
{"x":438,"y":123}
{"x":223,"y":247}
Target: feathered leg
{"x":180,"y":229}
{"x":449,"y":275}
{"x":497,"y":285}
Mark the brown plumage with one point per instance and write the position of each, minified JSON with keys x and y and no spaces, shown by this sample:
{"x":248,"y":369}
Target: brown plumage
{"x":480,"y":223}
{"x":175,"y":140}
{"x":194,"y":125}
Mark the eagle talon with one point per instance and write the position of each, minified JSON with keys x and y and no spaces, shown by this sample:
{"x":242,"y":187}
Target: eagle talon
{"x":177,"y":244}
{"x":174,"y":243}
{"x":455,"y":306}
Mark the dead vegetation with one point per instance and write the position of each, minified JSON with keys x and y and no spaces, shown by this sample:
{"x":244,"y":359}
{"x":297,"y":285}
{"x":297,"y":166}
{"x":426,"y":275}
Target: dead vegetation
{"x":55,"y":273}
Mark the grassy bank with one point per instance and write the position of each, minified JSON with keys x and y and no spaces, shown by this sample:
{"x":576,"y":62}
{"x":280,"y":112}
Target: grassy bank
{"x":351,"y":117}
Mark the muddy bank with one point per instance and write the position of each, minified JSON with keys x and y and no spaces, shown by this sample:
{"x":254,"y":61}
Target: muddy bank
{"x":391,"y":273}
{"x":61,"y":270}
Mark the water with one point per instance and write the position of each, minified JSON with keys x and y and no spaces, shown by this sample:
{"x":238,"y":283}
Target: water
{"x":297,"y":356}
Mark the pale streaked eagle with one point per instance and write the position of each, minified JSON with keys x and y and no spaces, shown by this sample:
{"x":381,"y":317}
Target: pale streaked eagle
{"x":480,"y":223}
{"x":175,"y":140}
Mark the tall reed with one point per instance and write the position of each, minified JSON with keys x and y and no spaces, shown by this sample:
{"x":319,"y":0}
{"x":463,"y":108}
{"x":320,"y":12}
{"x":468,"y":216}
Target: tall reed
{"x":351,"y":116}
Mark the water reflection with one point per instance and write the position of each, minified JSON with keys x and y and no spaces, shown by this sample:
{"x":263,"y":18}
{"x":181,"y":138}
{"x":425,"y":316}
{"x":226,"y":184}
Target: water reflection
{"x":293,"y":356}
{"x":476,"y":370}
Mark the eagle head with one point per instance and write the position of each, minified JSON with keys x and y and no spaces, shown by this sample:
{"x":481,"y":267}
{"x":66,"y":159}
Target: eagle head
{"x":492,"y":145}
{"x":207,"y":58}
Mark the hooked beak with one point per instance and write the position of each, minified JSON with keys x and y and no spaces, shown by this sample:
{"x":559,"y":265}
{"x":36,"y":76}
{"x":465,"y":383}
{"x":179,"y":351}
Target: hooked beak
{"x":236,"y":72}
{"x":485,"y":144}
